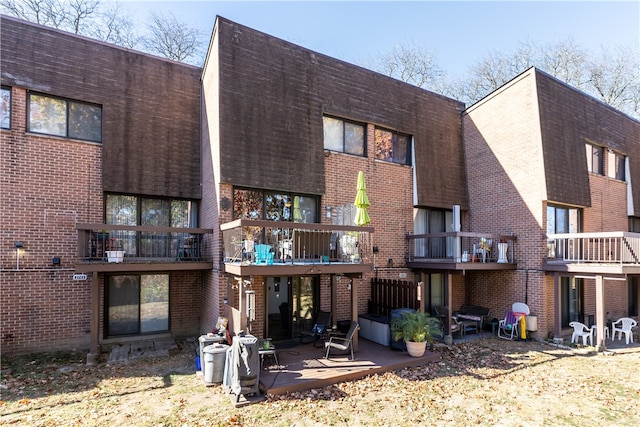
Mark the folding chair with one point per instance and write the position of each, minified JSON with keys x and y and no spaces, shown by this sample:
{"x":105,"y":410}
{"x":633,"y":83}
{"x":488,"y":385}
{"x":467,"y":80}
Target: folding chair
{"x":508,"y":327}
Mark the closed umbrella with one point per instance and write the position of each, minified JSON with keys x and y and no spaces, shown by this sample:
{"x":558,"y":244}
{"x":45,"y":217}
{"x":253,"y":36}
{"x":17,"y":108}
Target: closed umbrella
{"x":362,"y":202}
{"x":297,"y":215}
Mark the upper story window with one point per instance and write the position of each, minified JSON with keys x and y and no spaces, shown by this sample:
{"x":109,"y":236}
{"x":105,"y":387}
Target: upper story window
{"x":61,"y":117}
{"x":123,"y":209}
{"x":392,"y":146}
{"x":5,"y":108}
{"x":615,"y":165}
{"x":274,"y":206}
{"x":594,"y":159}
{"x":343,"y":136}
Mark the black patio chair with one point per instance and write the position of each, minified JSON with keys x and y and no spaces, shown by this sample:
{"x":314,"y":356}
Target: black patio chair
{"x":319,"y":330}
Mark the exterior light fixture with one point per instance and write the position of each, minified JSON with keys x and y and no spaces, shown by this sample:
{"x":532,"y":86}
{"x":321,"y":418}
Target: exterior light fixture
{"x":18,"y":245}
{"x":327,"y":211}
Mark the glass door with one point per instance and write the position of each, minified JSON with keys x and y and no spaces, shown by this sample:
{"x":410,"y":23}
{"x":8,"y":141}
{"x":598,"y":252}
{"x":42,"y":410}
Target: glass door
{"x":137,"y":304}
{"x":304,"y":302}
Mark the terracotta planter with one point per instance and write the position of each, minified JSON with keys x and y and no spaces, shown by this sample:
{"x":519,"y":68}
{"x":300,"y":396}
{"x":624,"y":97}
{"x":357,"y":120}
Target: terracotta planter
{"x":416,"y":349}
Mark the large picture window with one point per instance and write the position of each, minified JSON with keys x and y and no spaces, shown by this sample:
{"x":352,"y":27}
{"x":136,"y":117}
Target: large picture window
{"x":65,"y":118}
{"x":5,"y":108}
{"x":343,"y":136}
{"x":392,"y":147}
{"x":122,"y":209}
{"x":274,"y":206}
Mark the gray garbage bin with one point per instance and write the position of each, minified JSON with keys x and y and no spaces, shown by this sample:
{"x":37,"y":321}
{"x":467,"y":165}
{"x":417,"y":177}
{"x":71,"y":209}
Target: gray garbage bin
{"x":214,"y":361}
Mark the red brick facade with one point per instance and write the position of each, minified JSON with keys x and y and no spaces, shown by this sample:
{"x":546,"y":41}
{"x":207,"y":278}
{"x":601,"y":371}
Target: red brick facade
{"x":499,"y":161}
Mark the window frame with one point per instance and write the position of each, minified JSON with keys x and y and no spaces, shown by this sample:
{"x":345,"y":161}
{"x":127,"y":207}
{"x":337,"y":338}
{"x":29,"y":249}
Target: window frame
{"x":595,"y":158}
{"x":68,"y":117}
{"x":572,"y":300}
{"x":361,"y":152}
{"x":111,"y":280}
{"x":379,"y":154}
{"x":269,"y":209}
{"x":616,"y":165}
{"x":8,"y":107}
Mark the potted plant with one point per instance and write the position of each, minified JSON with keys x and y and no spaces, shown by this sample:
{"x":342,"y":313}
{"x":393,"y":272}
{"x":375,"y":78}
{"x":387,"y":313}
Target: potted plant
{"x":415,"y":329}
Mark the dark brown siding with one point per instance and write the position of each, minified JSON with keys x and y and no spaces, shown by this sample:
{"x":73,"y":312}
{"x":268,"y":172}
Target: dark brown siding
{"x":151,"y":106}
{"x":569,"y":120}
{"x":273,"y":95}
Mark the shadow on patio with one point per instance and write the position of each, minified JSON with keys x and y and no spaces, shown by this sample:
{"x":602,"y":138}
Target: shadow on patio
{"x":304,"y":367}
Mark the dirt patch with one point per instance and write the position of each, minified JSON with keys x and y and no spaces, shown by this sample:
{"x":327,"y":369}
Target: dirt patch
{"x":487,"y":382}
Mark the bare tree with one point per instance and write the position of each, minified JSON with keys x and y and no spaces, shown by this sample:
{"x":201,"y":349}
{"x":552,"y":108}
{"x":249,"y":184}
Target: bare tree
{"x":115,"y":26}
{"x":171,"y":38}
{"x":612,"y":75}
{"x":109,"y":21}
{"x":408,"y":62}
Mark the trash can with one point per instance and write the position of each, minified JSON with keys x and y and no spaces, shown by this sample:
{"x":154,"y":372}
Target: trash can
{"x":397,"y":314}
{"x":214,"y":361}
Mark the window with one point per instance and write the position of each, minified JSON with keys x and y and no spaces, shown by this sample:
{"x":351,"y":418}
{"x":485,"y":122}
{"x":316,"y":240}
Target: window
{"x":343,"y":136}
{"x":274,"y":206}
{"x":563,"y":220}
{"x":594,"y":159}
{"x":61,"y":117}
{"x":435,"y":291}
{"x":428,"y":221}
{"x":572,"y":300}
{"x":5,"y":108}
{"x":137,"y":304}
{"x":615,"y":165}
{"x":121,"y":209}
{"x":392,"y":147}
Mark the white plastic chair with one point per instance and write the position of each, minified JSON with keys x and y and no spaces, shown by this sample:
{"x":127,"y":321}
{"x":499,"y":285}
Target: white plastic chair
{"x":580,"y":330}
{"x":623,"y":325}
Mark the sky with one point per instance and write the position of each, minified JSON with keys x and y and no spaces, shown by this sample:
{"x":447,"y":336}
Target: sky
{"x":459,"y":33}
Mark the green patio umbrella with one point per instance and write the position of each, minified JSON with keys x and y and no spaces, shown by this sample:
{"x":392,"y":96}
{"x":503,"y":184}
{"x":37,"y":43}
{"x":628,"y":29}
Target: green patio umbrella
{"x":362,"y":202}
{"x":297,"y":215}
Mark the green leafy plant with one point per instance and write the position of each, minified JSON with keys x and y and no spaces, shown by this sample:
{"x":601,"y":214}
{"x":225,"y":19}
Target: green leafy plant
{"x":416,"y":327}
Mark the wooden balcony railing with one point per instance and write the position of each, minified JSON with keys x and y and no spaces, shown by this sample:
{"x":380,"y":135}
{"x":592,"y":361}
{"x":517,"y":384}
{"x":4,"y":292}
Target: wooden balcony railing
{"x":142,"y":243}
{"x":260,"y":242}
{"x":461,"y":246}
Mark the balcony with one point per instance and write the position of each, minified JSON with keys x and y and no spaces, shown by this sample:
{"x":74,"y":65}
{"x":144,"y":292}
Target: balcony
{"x":598,"y":253}
{"x":461,"y":251}
{"x":291,"y":248}
{"x":144,"y":248}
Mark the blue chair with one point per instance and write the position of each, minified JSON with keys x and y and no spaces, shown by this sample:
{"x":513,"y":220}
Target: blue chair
{"x":263,"y":254}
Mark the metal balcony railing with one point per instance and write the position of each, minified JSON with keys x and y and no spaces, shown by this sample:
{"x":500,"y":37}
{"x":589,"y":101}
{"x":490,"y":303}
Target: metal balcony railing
{"x":260,"y":242}
{"x":596,"y":248}
{"x":141,"y":243}
{"x":461,"y":247}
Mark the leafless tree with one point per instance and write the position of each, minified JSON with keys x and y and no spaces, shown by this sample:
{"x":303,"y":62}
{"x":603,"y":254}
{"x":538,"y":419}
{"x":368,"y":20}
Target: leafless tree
{"x":611,"y":75}
{"x":110,"y":22}
{"x":408,"y":62}
{"x":171,"y":38}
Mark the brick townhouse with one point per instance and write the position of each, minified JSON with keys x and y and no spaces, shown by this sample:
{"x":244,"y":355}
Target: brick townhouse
{"x":229,"y":190}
